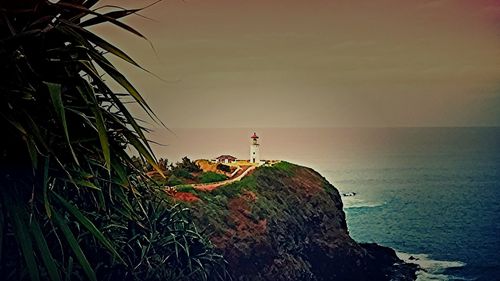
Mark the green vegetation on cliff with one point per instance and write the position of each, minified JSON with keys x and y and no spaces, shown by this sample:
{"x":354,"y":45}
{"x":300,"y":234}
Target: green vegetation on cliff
{"x":209,"y":177}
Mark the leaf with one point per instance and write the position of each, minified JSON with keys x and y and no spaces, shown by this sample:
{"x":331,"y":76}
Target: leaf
{"x":86,"y":184}
{"x":55,"y":94}
{"x":14,"y":123}
{"x":87,"y":67}
{"x":89,"y":226}
{"x":98,"y":41}
{"x":87,"y":91}
{"x":22,"y":234}
{"x":89,"y":3}
{"x":69,"y":269}
{"x":47,"y":258}
{"x":118,"y":77}
{"x":34,"y":131}
{"x":86,"y":37}
{"x":73,"y":243}
{"x":106,"y":18}
{"x":108,"y":68}
{"x":121,"y":172}
{"x":141,"y":148}
{"x":82,"y":33}
{"x":45,"y":187}
{"x":32,"y":151}
{"x":114,"y":14}
{"x":103,"y":137}
{"x":2,"y":228}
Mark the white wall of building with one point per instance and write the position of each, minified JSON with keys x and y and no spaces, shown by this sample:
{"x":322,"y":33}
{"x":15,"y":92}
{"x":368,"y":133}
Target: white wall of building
{"x":254,"y":153}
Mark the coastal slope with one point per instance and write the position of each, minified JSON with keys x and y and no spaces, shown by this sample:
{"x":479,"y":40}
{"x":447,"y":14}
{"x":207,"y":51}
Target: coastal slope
{"x":286,"y":222}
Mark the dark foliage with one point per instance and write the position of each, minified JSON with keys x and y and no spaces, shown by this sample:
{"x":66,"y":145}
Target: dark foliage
{"x":188,"y":165}
{"x":73,"y":204}
{"x":224,"y":168}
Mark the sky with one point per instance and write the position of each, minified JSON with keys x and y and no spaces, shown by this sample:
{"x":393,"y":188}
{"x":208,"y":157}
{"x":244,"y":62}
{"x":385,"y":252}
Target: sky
{"x":317,"y":63}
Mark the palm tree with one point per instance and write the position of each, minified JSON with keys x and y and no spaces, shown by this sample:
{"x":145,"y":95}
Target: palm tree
{"x":72,"y":203}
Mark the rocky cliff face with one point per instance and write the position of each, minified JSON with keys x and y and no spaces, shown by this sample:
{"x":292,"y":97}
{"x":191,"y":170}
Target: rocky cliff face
{"x":286,"y":223}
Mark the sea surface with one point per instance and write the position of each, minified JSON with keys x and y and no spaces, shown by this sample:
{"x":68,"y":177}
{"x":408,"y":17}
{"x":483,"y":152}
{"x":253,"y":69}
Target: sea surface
{"x":432,"y":194}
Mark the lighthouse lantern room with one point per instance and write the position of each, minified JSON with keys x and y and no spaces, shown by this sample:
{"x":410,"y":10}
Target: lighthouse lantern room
{"x":254,"y":149}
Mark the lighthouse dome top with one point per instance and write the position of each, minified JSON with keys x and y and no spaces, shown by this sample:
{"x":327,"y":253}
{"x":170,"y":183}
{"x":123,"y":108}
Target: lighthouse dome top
{"x":254,"y":136}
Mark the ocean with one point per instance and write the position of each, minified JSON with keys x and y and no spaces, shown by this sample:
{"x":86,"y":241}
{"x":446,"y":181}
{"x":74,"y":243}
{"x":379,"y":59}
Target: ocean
{"x":432,"y":194}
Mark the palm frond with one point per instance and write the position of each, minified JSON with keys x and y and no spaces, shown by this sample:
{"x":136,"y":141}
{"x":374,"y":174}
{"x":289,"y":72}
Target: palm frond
{"x":72,"y":204}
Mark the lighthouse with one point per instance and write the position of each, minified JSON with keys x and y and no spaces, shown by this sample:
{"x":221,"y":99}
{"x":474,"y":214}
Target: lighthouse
{"x":254,"y":149}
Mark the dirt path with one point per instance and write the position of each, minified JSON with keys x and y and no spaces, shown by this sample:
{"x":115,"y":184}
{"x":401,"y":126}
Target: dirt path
{"x":239,"y":173}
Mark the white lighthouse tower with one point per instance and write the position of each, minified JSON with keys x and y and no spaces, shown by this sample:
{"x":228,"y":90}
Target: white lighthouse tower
{"x":254,"y":149}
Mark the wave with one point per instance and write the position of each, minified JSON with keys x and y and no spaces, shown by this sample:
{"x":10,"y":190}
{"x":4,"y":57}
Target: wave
{"x":352,"y":202}
{"x":432,"y":270}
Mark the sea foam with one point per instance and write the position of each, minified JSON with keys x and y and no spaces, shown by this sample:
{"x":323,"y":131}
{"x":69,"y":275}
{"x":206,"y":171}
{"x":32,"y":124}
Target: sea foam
{"x":350,"y":202}
{"x":431,"y":270}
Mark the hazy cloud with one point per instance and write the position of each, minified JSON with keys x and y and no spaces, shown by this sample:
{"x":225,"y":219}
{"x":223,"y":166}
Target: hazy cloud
{"x":320,"y":63}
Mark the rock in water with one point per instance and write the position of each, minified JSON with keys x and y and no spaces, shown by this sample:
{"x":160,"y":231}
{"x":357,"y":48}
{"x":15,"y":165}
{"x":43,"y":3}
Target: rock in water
{"x":286,"y":222}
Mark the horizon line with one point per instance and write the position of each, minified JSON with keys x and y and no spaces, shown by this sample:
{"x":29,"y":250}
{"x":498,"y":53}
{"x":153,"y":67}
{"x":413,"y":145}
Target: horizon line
{"x":340,"y":127}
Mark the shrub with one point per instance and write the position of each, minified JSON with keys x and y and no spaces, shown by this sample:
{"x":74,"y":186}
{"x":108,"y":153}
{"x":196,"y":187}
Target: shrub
{"x":224,"y":168}
{"x":188,"y":165}
{"x":182,"y":173}
{"x":236,"y":188}
{"x":209,"y":177}
{"x":162,"y":243}
{"x":185,"y":188}
{"x":173,"y":180}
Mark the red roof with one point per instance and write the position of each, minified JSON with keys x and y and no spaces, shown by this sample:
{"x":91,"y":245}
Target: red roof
{"x":254,"y":136}
{"x":223,"y":157}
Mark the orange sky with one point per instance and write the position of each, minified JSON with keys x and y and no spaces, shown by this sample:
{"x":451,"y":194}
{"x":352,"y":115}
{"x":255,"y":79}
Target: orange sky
{"x":318,"y":63}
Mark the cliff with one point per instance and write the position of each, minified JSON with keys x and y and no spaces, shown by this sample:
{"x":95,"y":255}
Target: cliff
{"x":286,"y":222}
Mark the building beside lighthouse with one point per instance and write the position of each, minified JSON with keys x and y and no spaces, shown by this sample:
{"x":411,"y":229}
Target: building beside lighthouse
{"x":254,"y":149}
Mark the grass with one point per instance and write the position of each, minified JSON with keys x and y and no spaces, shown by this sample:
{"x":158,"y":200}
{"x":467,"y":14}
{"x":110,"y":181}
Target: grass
{"x":232,"y":190}
{"x":285,"y":167}
{"x":185,"y":188}
{"x":274,"y":202}
{"x":270,"y":204}
{"x":213,"y":205}
{"x":209,"y":177}
{"x":174,"y":180}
